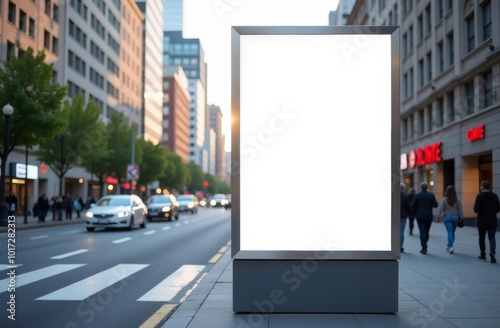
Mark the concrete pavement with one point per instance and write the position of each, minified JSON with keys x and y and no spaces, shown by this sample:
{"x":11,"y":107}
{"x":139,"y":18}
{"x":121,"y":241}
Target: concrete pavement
{"x":438,"y":290}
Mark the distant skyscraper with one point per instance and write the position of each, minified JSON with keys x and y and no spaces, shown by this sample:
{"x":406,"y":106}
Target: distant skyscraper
{"x":340,"y":16}
{"x":172,"y":15}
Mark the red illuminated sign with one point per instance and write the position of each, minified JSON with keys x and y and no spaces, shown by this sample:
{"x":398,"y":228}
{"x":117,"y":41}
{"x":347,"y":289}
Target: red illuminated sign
{"x":425,"y":155}
{"x":475,"y":133}
{"x":111,"y":180}
{"x":412,"y":158}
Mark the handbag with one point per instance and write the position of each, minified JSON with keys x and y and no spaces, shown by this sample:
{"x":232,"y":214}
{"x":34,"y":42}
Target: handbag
{"x":460,"y":222}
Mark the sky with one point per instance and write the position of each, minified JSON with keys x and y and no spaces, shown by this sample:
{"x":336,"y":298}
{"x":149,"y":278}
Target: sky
{"x":211,"y":21}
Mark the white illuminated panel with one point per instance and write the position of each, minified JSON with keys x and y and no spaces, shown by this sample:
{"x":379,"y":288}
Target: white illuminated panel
{"x":315,"y":143}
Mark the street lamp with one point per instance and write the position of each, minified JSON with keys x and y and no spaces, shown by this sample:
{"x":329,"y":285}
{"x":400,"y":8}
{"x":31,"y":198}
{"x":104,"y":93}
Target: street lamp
{"x":7,"y":112}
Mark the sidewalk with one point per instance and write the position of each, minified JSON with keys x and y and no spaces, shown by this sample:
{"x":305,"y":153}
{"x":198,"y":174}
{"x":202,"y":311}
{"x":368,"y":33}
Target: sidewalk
{"x":438,"y":290}
{"x":32,"y":222}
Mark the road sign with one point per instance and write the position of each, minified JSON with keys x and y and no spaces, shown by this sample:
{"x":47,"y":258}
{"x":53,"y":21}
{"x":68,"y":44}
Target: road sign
{"x":132,"y":171}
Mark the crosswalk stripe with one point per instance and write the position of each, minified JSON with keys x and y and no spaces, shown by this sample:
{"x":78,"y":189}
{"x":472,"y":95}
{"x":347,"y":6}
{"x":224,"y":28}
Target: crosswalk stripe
{"x":9,"y":266}
{"x":169,"y":287}
{"x":29,"y":277}
{"x":63,"y":256}
{"x":84,"y":288}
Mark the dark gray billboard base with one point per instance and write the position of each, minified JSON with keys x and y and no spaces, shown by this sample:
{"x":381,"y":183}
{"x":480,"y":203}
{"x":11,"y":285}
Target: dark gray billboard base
{"x":302,"y":286}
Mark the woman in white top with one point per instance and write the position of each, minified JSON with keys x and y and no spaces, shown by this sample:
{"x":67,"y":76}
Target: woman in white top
{"x":452,"y":209}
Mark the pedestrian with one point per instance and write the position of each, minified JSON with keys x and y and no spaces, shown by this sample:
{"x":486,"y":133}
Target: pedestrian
{"x":78,"y":205}
{"x":89,"y":202}
{"x":411,"y":218}
{"x":52,"y":204}
{"x":68,"y":206}
{"x":11,"y":201}
{"x":59,"y":207}
{"x":421,"y":208}
{"x":43,"y":207}
{"x":451,"y":208}
{"x":487,"y":206}
{"x":405,"y":213}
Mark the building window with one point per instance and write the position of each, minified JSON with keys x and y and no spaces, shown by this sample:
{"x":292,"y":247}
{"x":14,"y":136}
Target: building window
{"x":429,"y":119}
{"x":405,"y":86}
{"x":440,"y":57}
{"x":487,"y":88}
{"x":55,"y":13}
{"x":428,"y":20}
{"x":11,"y":50}
{"x":31,"y":28}
{"x":405,"y":45}
{"x":451,"y":106}
{"x":404,"y":129}
{"x":440,"y":9}
{"x":12,"y":13}
{"x":486,"y":9}
{"x":440,"y":112}
{"x":470,"y":32}
{"x":22,"y":21}
{"x":450,"y":5}
{"x":420,"y":27}
{"x":55,"y":45}
{"x":411,"y":82}
{"x":420,"y":121}
{"x":48,"y":4}
{"x":451,"y":49}
{"x":469,"y":93}
{"x":46,"y":39}
{"x":429,"y":66}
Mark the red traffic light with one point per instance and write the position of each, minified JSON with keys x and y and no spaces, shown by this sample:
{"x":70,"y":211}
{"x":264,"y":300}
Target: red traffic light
{"x":205,"y":183}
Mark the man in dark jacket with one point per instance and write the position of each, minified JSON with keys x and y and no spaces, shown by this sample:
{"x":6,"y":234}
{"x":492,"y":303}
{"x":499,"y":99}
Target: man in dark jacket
{"x":421,"y":208}
{"x":405,"y":212}
{"x":487,"y":206}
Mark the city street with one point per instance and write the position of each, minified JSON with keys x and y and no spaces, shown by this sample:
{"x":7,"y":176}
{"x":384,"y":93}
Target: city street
{"x":68,"y":277}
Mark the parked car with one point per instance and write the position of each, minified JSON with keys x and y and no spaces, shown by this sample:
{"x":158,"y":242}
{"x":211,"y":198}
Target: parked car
{"x":218,"y":200}
{"x":162,"y":207}
{"x":188,"y":203}
{"x":116,"y":211}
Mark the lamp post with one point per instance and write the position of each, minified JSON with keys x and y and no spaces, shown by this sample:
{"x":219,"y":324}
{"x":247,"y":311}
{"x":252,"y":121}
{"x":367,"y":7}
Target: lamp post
{"x":7,"y":112}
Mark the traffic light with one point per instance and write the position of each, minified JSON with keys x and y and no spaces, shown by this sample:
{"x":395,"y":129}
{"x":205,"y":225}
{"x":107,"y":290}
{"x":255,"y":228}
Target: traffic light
{"x":205,"y":183}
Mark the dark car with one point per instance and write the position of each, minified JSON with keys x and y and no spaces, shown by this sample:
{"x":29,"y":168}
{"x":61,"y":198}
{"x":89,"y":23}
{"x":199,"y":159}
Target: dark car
{"x":228,"y":197}
{"x":218,"y":200}
{"x":162,"y":207}
{"x":188,"y":203}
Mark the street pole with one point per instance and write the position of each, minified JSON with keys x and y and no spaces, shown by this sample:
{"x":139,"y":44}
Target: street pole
{"x":7,"y":112}
{"x":26,"y":189}
{"x":61,"y":163}
{"x":132,"y":158}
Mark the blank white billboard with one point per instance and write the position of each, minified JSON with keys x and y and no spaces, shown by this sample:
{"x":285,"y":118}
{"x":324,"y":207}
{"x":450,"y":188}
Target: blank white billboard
{"x":315,"y":143}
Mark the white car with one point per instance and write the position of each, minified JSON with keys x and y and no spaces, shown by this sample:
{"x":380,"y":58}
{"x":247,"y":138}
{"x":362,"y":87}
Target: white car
{"x":117,"y":211}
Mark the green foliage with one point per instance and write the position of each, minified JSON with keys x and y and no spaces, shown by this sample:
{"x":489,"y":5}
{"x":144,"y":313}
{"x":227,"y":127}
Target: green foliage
{"x":176,"y":174}
{"x":26,"y":83}
{"x":196,"y":178}
{"x":153,"y":162}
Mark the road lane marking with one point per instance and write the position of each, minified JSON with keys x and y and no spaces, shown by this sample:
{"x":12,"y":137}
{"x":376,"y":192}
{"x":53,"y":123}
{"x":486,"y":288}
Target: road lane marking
{"x":121,"y":240}
{"x":159,"y":315}
{"x":173,"y":284}
{"x":177,"y":224}
{"x":150,"y":232}
{"x":63,"y":256}
{"x":215,"y":258}
{"x":30,"y":277}
{"x":82,"y":289}
{"x":70,"y":232}
{"x":166,"y":228}
{"x":39,"y":237}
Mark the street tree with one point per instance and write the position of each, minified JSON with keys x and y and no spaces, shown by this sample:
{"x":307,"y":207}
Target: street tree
{"x":196,"y":177}
{"x":120,"y":135}
{"x":82,"y":138}
{"x":26,"y":84}
{"x":153,"y":162}
{"x":176,"y":173}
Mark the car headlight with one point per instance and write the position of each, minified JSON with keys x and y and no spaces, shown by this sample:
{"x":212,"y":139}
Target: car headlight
{"x":166,"y":209}
{"x":122,"y":214}
{"x":213,"y":202}
{"x":89,"y":215}
{"x":190,"y":204}
{"x":223,"y":202}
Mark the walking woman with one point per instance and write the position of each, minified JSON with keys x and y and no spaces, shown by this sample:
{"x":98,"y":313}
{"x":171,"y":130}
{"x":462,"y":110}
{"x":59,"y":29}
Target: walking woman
{"x":451,"y":207}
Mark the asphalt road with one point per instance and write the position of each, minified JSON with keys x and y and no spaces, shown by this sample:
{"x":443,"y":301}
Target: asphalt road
{"x":68,"y":277}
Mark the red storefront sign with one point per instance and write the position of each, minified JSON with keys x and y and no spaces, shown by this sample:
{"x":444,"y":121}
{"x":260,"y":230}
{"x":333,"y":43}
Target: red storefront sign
{"x":475,"y":133}
{"x":425,"y":155}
